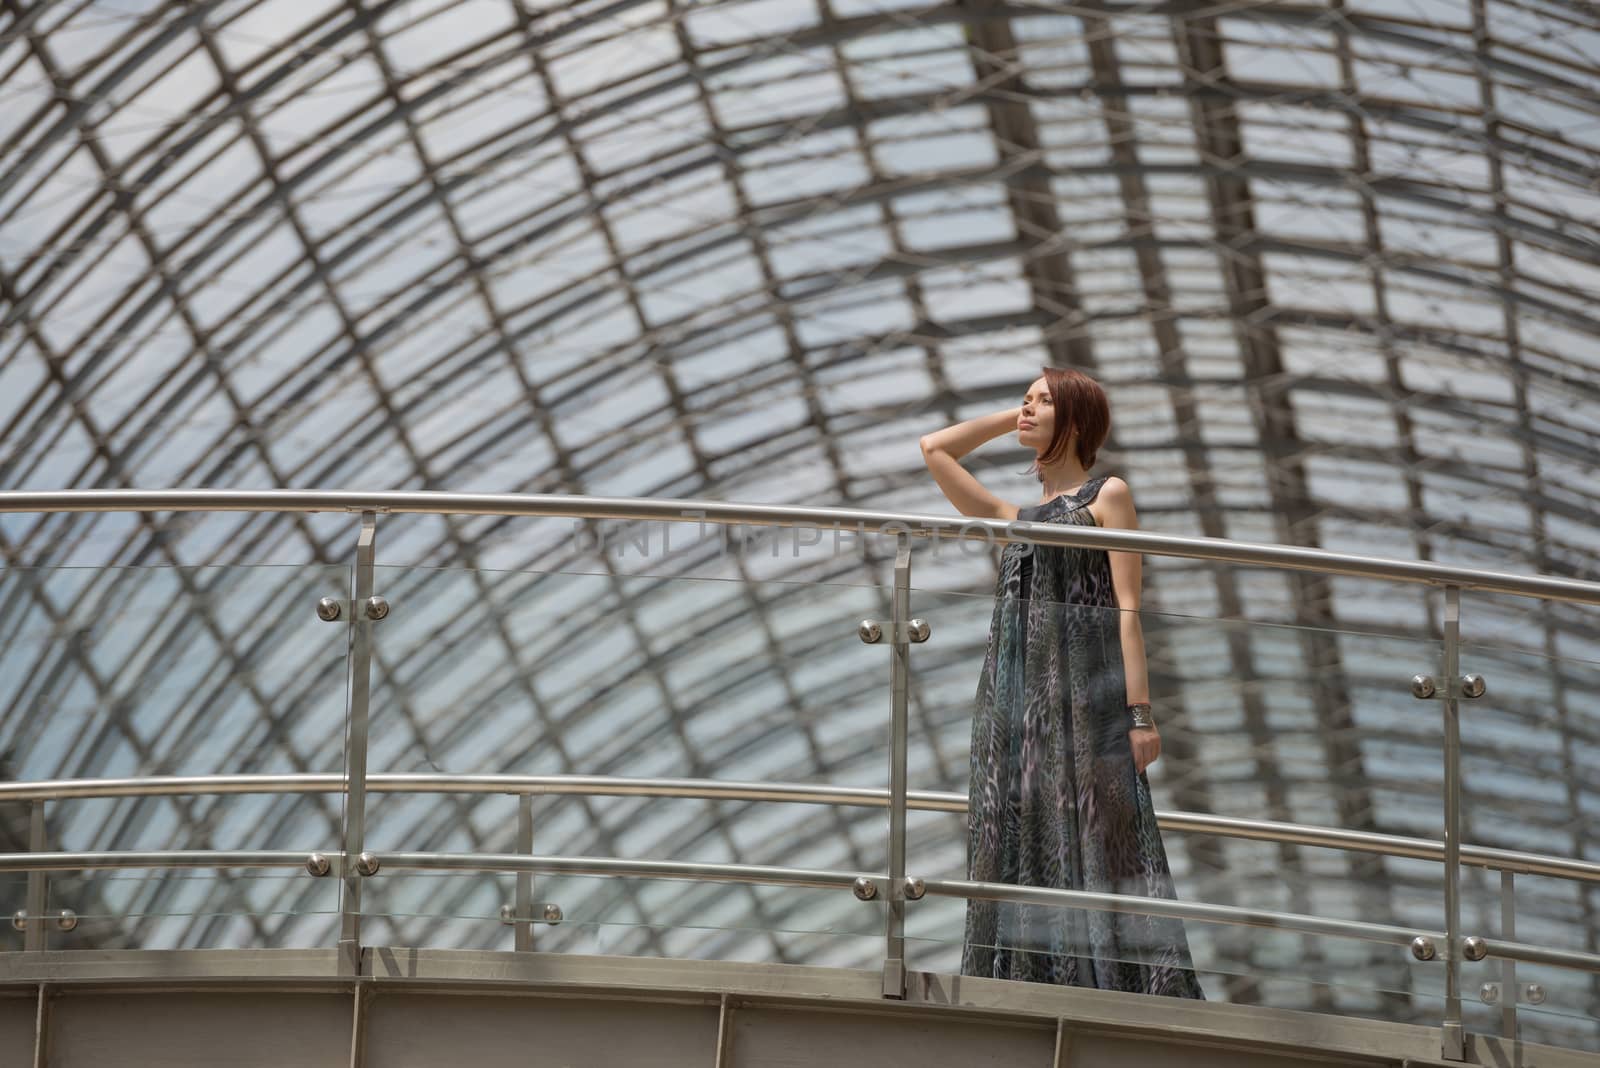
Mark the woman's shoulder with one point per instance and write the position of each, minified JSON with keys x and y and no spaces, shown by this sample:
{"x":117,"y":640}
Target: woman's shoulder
{"x":1112,"y":498}
{"x":1110,"y":487}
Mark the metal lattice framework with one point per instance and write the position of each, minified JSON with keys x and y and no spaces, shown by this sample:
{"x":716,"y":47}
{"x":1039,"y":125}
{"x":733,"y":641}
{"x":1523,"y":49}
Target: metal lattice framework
{"x":1334,"y":262}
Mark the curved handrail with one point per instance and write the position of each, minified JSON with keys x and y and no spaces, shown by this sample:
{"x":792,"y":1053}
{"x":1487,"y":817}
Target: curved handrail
{"x":768,"y":875}
{"x":1389,"y":845}
{"x":765,"y":875}
{"x":92,"y":860}
{"x":991,"y":531}
{"x":1236,"y":915}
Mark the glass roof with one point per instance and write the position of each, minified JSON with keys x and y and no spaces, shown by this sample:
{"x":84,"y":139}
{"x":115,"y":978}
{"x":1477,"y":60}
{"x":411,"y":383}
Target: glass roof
{"x":1335,"y":263}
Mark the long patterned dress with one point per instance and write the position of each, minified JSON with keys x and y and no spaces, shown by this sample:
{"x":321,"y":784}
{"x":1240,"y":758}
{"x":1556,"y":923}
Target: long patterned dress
{"x":1055,"y":800}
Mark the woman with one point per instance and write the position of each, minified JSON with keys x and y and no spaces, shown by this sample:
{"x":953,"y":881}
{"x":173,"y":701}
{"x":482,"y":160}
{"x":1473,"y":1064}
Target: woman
{"x":1063,"y":731}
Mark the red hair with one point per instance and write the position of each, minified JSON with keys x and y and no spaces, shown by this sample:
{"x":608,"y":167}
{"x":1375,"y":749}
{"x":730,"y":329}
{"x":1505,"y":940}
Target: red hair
{"x":1081,"y":407}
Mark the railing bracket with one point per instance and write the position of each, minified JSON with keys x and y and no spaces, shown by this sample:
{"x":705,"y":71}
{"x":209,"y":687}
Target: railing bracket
{"x":549,"y":913}
{"x":1465,"y":687}
{"x":916,"y":631}
{"x":1527,"y":993}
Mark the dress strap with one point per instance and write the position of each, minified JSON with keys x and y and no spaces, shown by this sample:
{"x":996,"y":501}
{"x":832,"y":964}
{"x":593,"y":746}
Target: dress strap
{"x":1091,"y":489}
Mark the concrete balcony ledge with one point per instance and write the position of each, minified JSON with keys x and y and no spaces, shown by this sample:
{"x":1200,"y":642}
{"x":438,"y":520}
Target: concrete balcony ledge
{"x":415,"y":1007}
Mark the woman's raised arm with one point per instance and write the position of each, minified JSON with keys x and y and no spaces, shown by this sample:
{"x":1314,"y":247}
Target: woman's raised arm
{"x":942,"y":451}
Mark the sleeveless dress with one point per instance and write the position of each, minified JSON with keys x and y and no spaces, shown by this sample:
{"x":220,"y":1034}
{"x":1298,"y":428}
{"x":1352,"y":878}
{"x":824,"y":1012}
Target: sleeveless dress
{"x":1054,"y":798}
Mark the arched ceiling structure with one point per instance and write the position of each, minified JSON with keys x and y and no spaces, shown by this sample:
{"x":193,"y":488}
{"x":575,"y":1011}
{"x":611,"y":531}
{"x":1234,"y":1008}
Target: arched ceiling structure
{"x":1334,"y":261}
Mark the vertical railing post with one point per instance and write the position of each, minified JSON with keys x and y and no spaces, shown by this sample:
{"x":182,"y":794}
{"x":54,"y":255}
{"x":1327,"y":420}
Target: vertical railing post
{"x":524,"y":901}
{"x":35,"y":934}
{"x":355,"y":756}
{"x":1508,"y":967}
{"x":894,"y":965}
{"x":1452,"y":1041}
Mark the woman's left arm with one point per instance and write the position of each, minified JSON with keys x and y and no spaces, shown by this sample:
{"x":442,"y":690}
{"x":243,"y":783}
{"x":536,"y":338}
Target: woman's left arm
{"x":1116,"y":510}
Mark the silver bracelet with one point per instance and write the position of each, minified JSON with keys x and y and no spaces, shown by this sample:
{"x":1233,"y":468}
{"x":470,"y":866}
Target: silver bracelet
{"x":1141,"y":714}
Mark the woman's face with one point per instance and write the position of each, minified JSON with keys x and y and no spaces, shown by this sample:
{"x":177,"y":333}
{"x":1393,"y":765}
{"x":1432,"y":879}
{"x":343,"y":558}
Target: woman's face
{"x":1036,"y":422}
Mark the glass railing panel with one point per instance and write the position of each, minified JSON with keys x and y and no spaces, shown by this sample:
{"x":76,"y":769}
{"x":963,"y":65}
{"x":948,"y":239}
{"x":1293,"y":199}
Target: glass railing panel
{"x":13,"y":896}
{"x":142,"y":672}
{"x":1258,"y":721}
{"x":480,"y":673}
{"x":630,"y":917}
{"x":1530,"y":757}
{"x":1239,"y":965}
{"x":1551,"y":1005}
{"x":193,"y":908}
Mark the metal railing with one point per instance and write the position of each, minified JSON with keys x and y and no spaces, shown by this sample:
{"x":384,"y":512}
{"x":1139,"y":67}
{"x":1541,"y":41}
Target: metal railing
{"x":894,"y":886}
